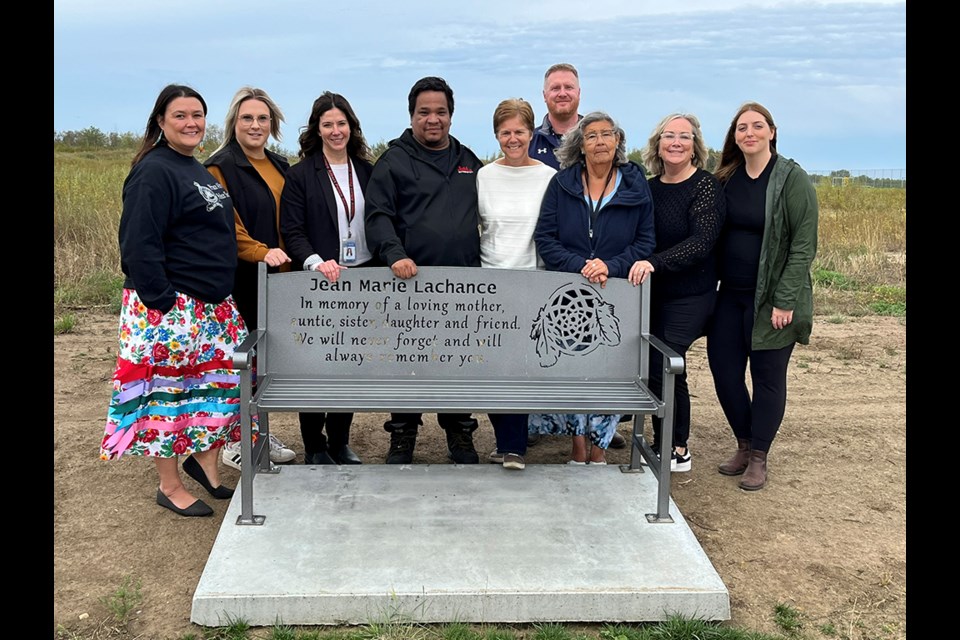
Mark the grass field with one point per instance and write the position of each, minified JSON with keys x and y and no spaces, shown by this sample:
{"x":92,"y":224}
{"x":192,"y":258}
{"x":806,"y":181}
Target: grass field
{"x":860,"y":267}
{"x":860,"y":270}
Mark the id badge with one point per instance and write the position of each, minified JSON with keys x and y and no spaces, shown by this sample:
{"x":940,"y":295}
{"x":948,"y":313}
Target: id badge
{"x":348,"y":251}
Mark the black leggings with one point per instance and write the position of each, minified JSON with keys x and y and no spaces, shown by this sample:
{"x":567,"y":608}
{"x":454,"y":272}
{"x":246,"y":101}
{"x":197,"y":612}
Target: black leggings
{"x":728,"y":348}
{"x":678,"y":322}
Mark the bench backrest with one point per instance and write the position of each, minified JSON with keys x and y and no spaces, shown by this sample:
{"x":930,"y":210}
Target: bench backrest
{"x":451,"y":322}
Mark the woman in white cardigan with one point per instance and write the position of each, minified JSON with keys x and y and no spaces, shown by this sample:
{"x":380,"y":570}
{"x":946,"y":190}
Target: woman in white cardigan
{"x":510,"y":190}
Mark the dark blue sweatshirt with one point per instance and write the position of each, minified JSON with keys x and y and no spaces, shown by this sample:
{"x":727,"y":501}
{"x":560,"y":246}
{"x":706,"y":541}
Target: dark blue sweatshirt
{"x":177,"y":231}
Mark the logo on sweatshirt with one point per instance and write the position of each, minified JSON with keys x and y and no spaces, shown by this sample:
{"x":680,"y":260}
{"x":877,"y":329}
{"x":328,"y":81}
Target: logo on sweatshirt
{"x":213,"y":201}
{"x":464,"y":170}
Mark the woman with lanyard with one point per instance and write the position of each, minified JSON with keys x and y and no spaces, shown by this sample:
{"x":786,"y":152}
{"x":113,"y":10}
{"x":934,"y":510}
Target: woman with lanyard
{"x":322,"y":227}
{"x":596,"y":219}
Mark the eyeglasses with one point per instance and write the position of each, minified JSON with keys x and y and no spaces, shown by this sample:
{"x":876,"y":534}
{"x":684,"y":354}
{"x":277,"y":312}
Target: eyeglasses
{"x":247,"y":120}
{"x":591,"y":138}
{"x":682,"y":137}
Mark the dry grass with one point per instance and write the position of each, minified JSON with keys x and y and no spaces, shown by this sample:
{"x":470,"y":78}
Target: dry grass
{"x":860,"y":219}
{"x":860,"y":267}
{"x":86,"y":214}
{"x":861,"y":264}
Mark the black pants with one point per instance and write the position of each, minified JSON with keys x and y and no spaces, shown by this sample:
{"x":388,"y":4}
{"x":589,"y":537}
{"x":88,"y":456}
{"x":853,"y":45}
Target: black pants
{"x":728,"y":349}
{"x":410,"y":422}
{"x":679,"y":322}
{"x":337,"y":424}
{"x":510,"y":430}
{"x":311,"y":430}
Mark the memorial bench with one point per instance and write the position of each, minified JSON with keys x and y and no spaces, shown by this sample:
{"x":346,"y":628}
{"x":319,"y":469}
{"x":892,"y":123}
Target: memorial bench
{"x":451,"y":340}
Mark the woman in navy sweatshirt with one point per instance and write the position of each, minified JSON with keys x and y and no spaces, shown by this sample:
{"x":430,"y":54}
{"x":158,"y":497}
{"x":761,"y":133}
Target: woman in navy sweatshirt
{"x":175,"y":391}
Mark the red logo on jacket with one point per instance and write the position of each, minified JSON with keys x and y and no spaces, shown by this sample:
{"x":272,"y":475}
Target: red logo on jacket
{"x":464,"y":170}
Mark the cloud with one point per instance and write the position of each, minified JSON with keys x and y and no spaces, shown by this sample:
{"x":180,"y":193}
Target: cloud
{"x":820,"y":67}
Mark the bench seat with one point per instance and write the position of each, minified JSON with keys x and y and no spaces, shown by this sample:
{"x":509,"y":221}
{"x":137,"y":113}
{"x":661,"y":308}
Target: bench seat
{"x":425,"y":395}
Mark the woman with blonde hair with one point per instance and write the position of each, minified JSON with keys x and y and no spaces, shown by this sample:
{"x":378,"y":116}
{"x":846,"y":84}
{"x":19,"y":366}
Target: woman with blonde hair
{"x":689,"y":208}
{"x":254,"y":177}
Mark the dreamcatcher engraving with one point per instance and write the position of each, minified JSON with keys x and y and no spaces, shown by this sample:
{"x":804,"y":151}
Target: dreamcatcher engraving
{"x":574,"y":321}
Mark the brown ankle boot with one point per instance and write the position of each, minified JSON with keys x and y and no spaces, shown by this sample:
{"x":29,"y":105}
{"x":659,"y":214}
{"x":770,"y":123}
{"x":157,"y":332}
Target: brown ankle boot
{"x":756,"y":474}
{"x":738,"y":463}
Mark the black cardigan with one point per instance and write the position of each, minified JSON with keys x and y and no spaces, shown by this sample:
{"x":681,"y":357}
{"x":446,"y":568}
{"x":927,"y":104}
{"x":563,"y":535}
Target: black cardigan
{"x":308,"y":210}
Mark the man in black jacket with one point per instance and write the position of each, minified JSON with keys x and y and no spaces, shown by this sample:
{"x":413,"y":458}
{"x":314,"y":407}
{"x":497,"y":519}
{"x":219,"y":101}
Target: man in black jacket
{"x":422,"y":210}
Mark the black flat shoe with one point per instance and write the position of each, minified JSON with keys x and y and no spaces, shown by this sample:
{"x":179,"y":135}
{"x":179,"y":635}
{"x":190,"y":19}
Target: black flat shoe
{"x":195,"y":471}
{"x":321,"y":457}
{"x":345,"y":455}
{"x":198,"y":509}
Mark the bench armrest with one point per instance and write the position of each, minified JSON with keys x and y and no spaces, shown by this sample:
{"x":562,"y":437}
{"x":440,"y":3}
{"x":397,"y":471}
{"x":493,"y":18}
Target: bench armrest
{"x":672,"y":362}
{"x":243,"y":355}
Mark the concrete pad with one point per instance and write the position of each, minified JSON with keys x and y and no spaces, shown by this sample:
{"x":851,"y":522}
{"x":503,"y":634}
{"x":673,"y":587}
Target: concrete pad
{"x":455,"y":543}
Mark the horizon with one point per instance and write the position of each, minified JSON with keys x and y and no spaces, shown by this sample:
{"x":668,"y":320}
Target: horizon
{"x":832,"y":73}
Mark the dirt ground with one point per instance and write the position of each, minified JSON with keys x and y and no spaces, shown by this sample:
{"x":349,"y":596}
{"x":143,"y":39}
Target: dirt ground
{"x":827,"y":536}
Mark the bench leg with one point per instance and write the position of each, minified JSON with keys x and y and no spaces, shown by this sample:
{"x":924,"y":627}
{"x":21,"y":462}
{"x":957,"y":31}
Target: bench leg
{"x":263,"y":464}
{"x":247,"y":469}
{"x":666,"y":450}
{"x":636,"y":438}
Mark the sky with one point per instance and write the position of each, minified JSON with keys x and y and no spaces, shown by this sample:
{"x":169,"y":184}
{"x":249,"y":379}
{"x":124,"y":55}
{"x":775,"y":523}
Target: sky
{"x":833,"y":74}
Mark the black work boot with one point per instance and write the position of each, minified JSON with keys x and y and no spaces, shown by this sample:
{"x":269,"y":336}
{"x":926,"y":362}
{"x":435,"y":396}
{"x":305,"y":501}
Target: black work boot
{"x":319,"y":457}
{"x":460,"y":445}
{"x":343,"y":454}
{"x":402,"y":443}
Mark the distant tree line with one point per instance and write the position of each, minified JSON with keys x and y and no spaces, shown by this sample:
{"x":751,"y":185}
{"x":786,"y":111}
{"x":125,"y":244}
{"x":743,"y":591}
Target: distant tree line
{"x":842,"y":178}
{"x":92,"y":139}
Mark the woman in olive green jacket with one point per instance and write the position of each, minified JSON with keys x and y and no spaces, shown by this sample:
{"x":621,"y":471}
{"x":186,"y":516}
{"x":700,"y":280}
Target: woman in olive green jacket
{"x":765,"y":301}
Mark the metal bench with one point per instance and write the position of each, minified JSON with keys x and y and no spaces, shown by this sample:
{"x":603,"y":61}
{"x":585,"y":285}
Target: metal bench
{"x":451,"y":340}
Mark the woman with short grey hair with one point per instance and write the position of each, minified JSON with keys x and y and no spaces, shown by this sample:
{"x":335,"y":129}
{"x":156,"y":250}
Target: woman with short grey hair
{"x":596,"y":219}
{"x":571,"y":149}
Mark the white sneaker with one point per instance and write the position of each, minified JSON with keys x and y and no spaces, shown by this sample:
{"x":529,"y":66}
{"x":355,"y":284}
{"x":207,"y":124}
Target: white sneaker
{"x":680,"y":463}
{"x":231,"y":455}
{"x":279,"y":453}
{"x":513,"y":461}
